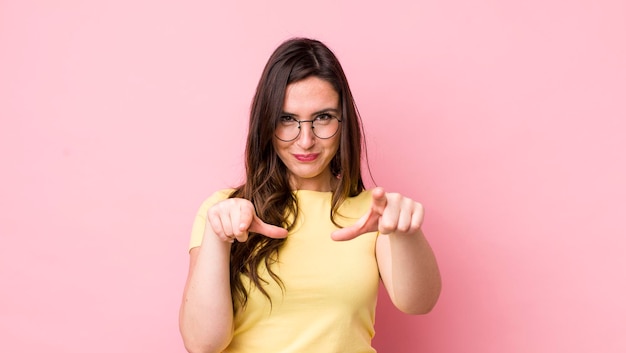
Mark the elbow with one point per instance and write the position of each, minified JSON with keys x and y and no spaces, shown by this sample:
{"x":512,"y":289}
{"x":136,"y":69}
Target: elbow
{"x":421,"y":308}
{"x":205,"y":339}
{"x":198,"y":347}
{"x":420,"y":303}
{"x":190,"y":348}
{"x":204,"y":334}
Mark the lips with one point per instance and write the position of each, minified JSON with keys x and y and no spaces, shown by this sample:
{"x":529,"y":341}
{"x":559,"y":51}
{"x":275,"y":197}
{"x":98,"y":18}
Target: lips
{"x":306,"y":157}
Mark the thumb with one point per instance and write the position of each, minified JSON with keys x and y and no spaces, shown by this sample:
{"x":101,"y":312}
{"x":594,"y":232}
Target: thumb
{"x":271,"y":231}
{"x":352,"y":231}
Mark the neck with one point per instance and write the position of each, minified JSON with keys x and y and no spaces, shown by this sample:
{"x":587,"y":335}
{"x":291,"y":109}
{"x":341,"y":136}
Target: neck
{"x":322,"y":183}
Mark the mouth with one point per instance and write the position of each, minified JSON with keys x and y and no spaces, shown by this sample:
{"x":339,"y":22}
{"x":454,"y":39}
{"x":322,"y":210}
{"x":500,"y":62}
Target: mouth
{"x":306,"y":157}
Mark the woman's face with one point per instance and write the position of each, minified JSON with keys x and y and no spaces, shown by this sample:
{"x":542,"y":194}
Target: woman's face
{"x":308,"y":157}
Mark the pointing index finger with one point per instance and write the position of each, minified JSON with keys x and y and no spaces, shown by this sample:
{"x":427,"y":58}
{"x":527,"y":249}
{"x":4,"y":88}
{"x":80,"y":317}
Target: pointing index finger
{"x":246,"y":217}
{"x":368,"y":222}
{"x":379,"y":200}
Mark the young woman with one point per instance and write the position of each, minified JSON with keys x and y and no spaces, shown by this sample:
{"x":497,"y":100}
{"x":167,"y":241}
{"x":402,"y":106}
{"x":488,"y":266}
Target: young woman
{"x":290,"y":261}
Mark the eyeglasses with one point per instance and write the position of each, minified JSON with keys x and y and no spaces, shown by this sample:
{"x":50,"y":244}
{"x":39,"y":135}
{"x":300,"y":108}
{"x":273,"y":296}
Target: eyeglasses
{"x":323,"y":126}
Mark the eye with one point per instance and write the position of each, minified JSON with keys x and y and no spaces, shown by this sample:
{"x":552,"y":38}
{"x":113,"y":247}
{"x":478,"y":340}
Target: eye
{"x":287,"y":120}
{"x":323,"y":119}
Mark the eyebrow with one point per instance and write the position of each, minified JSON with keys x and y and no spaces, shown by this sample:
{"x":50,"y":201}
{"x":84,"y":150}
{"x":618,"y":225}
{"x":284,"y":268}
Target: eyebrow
{"x":327,"y":110}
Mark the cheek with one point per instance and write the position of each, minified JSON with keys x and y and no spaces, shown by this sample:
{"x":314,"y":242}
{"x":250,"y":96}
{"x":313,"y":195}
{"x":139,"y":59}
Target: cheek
{"x":280,"y":148}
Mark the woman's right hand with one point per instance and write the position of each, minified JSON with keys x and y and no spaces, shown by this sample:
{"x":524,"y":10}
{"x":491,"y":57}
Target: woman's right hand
{"x":233,"y":218}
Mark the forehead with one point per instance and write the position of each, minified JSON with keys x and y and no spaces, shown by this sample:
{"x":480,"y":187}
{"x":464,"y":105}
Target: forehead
{"x":310,"y":95}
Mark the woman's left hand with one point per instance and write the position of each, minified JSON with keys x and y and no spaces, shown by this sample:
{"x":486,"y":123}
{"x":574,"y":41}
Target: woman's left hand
{"x":391,"y":213}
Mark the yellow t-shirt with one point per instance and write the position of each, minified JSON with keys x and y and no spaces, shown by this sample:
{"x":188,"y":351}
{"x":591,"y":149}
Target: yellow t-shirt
{"x":330,"y":287}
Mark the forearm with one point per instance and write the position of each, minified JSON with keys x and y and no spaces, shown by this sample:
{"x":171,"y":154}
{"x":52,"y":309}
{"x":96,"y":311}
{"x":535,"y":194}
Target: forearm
{"x":206,"y":314}
{"x":409,"y":271}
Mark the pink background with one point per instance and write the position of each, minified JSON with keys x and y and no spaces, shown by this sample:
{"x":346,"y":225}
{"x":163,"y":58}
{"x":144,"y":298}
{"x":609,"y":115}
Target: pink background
{"x":506,"y":119}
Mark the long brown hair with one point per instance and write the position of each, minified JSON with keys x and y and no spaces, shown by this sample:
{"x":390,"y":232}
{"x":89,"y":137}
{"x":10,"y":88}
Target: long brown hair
{"x":267,"y":182}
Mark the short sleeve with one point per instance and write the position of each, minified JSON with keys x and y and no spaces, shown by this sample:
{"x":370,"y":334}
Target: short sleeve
{"x":200,"y":222}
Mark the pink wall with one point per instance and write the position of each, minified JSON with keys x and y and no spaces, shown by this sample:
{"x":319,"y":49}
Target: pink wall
{"x":506,"y":119}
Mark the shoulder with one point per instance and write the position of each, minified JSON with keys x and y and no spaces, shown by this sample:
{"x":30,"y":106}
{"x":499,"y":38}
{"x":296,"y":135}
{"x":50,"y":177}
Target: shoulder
{"x":216,"y":197}
{"x":199,"y":225}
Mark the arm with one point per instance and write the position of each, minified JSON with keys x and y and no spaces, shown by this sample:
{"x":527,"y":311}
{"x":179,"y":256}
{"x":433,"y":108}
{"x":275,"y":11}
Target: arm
{"x":409,"y":270}
{"x":206,"y":312}
{"x":406,"y":263}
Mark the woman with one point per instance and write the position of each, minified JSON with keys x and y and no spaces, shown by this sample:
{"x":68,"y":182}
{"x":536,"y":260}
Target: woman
{"x":290,"y":261}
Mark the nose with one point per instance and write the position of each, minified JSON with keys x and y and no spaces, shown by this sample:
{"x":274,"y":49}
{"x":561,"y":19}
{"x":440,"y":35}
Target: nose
{"x":306,"y":139}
